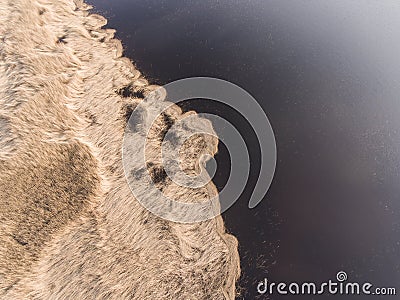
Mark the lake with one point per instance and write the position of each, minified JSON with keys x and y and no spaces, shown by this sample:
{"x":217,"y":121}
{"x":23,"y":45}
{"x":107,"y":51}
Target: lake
{"x":327,"y":75}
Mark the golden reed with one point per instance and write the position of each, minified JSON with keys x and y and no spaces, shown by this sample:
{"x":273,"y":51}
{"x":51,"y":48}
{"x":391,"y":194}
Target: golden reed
{"x":69,"y":226}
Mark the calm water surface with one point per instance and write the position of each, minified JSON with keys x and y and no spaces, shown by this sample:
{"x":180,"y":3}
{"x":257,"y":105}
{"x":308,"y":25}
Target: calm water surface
{"x":327,"y":73}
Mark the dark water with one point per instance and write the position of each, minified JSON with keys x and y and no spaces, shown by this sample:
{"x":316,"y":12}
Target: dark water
{"x":328,"y":75}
